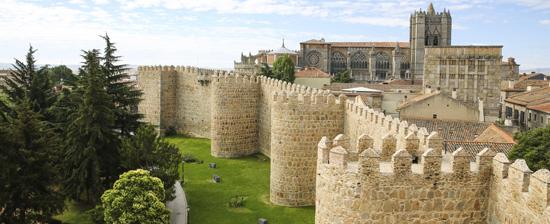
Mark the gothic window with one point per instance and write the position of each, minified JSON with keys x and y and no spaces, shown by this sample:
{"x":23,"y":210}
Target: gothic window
{"x":382,"y":61}
{"x":338,"y":60}
{"x":436,"y":41}
{"x":359,"y":60}
{"x":313,"y":58}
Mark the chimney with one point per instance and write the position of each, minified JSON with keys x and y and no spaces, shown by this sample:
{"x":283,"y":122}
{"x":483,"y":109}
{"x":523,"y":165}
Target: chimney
{"x":529,"y":88}
{"x":511,"y":84}
{"x":481,"y":110}
{"x":453,"y":94}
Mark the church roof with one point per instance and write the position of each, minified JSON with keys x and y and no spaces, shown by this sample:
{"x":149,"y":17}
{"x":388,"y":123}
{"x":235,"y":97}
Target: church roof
{"x":283,"y":50}
{"x":360,"y":44}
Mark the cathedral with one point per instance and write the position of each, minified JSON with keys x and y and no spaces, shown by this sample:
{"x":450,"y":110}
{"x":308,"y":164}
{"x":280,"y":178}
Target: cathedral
{"x":378,"y":61}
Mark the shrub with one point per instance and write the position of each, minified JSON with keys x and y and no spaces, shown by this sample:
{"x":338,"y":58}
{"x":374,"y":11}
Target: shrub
{"x":237,"y":201}
{"x":170,"y":131}
{"x":190,"y":158}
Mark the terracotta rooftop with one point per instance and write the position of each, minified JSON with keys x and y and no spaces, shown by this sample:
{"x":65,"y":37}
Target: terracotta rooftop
{"x":417,"y":99}
{"x":452,"y":130}
{"x":360,"y":44}
{"x":496,"y":135}
{"x":311,"y":72}
{"x":473,"y":148}
{"x":543,"y":107}
{"x":531,"y":98}
{"x":522,"y":85}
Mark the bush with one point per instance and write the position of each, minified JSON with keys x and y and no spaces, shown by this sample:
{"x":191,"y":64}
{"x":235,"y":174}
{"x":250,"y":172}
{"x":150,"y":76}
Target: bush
{"x":170,"y":131}
{"x":190,"y":158}
{"x":237,"y":201}
{"x":97,"y":214}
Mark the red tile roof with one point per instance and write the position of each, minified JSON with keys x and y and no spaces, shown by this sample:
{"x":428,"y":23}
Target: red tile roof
{"x":531,"y":98}
{"x":473,"y":148}
{"x":311,"y":72}
{"x":544,"y":107}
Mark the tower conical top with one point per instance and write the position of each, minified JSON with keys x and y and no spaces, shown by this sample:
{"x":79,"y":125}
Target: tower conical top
{"x":283,"y":43}
{"x":431,"y":9}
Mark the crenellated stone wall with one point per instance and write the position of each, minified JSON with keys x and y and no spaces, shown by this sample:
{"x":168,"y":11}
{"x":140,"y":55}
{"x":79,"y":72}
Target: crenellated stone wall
{"x":368,"y":190}
{"x":234,"y":115}
{"x":380,"y":170}
{"x":517,"y":194}
{"x":440,"y":189}
{"x":299,"y":119}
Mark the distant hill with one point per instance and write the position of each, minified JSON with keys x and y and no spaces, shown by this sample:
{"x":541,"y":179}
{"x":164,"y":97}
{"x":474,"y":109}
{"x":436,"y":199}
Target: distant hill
{"x":538,"y":70}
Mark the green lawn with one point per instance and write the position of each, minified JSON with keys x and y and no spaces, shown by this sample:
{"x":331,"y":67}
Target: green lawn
{"x":74,"y":214}
{"x":248,"y":176}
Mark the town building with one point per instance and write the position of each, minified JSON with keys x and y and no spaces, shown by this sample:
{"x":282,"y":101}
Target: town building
{"x":528,"y":110}
{"x":312,"y":77}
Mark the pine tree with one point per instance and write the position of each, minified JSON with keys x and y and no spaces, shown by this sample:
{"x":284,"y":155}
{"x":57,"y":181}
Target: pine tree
{"x":125,"y":95}
{"x":147,"y":150}
{"x":91,"y":157}
{"x":26,"y":80}
{"x":29,"y":190}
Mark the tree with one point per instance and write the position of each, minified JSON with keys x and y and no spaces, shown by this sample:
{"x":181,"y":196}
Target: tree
{"x":265,"y":70}
{"x":283,"y":68}
{"x":342,"y":77}
{"x":61,"y":74}
{"x":137,"y":197}
{"x":124,"y":94}
{"x":91,"y":160}
{"x":146,"y":150}
{"x":534,"y":147}
{"x":29,"y":181}
{"x":25,"y":81}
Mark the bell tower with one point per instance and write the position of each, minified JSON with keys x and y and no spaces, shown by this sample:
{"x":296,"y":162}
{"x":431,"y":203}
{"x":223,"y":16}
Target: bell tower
{"x":427,"y":28}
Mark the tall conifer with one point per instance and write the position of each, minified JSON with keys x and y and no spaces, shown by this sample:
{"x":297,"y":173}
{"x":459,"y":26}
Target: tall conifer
{"x":124,"y":94}
{"x":91,"y":157}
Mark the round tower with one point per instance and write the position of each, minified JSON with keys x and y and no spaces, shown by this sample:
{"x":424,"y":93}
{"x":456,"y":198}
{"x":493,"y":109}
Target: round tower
{"x":234,"y":116}
{"x":298,"y":122}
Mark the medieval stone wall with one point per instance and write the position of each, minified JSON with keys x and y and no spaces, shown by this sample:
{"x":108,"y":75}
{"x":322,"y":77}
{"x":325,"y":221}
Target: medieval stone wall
{"x":194,"y":101}
{"x":364,"y":189}
{"x":234,"y":115}
{"x":518,"y":195}
{"x":297,"y":121}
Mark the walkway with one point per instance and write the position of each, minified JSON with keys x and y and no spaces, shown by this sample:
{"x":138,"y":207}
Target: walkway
{"x":178,"y":206}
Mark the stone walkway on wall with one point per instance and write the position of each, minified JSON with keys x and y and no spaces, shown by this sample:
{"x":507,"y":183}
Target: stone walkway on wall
{"x":178,"y":206}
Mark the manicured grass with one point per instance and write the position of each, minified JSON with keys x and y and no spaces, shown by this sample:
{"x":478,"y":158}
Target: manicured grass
{"x":248,"y":176}
{"x":74,"y":214}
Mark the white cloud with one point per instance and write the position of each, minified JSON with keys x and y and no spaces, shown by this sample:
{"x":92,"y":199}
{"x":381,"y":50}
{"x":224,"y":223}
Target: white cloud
{"x":535,"y":4}
{"x":545,"y":22}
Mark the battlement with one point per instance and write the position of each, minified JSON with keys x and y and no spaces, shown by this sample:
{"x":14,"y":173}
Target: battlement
{"x":367,"y":161}
{"x":225,"y":77}
{"x":517,"y":193}
{"x":183,"y":69}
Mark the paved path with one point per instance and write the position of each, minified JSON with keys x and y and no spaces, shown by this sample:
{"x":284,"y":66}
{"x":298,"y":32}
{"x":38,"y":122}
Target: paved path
{"x":178,"y":206}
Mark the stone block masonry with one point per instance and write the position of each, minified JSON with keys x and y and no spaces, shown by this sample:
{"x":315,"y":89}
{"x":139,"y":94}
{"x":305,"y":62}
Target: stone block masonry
{"x":380,"y":170}
{"x":234,"y":115}
{"x":298,"y":121}
{"x":440,"y":189}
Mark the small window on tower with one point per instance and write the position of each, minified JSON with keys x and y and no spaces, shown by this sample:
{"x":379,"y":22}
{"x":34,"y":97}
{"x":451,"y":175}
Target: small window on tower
{"x":436,"y":41}
{"x":434,"y":116}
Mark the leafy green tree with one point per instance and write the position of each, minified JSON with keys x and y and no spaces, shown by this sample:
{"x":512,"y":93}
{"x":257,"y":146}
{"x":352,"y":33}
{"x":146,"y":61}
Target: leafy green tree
{"x":146,"y":150}
{"x":265,"y":70}
{"x":283,"y":68}
{"x":124,"y":94}
{"x":29,"y":190}
{"x":137,"y":197}
{"x":25,"y":81}
{"x":91,"y":160}
{"x":534,"y":147}
{"x":342,"y":77}
{"x":61,"y":74}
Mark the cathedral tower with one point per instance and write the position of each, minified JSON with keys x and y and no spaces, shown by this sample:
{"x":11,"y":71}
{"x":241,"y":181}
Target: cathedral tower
{"x":428,"y":28}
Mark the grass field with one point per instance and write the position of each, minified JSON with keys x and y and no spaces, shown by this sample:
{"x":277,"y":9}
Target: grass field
{"x":248,"y":176}
{"x":74,"y":214}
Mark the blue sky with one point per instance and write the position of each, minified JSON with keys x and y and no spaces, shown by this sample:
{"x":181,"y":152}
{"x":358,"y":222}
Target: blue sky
{"x":213,"y":33}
